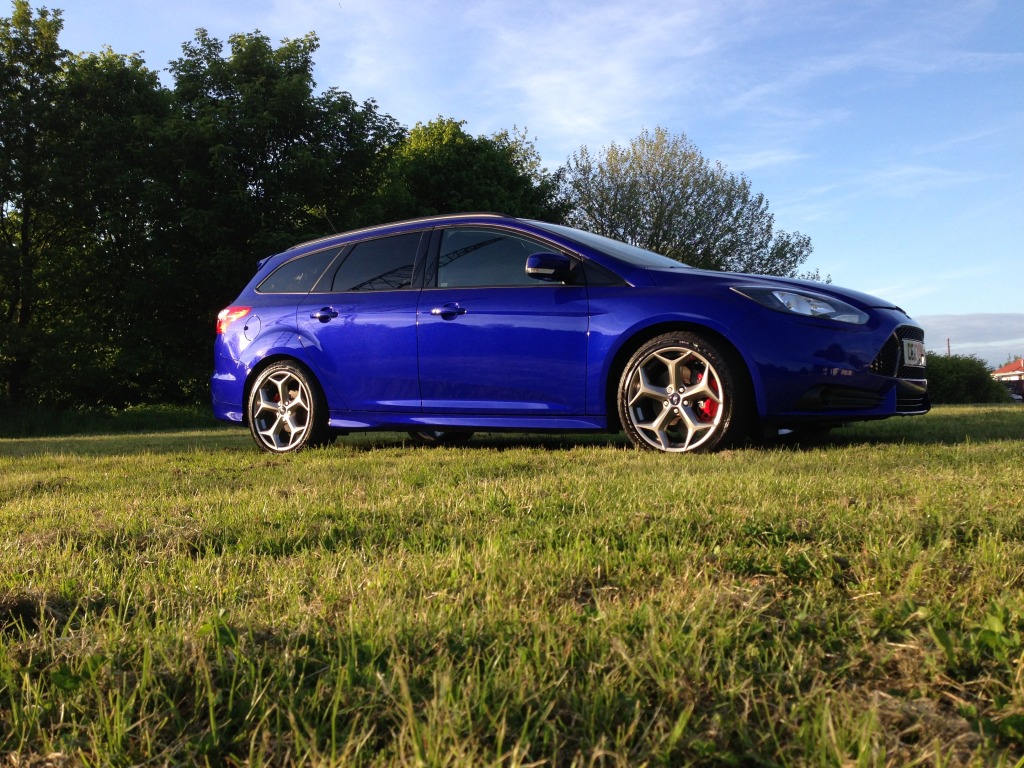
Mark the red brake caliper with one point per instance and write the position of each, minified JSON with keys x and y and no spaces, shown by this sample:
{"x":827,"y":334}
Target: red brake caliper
{"x":708,"y":407}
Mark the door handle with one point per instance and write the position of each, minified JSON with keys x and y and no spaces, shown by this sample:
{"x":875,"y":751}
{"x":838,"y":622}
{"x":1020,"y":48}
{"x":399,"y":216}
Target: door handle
{"x":324,"y":315}
{"x":448,"y":311}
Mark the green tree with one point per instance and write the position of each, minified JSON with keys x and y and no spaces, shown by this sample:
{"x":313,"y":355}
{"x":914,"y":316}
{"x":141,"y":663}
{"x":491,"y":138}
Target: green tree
{"x":108,"y":291}
{"x":662,"y":194}
{"x":440,"y":168}
{"x":132,"y":212}
{"x":962,"y":379}
{"x":30,"y":71}
{"x":264,"y":149}
{"x":261,"y":162}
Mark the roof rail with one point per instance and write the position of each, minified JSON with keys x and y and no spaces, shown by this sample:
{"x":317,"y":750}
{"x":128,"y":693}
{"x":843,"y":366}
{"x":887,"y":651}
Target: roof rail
{"x":436,"y":217}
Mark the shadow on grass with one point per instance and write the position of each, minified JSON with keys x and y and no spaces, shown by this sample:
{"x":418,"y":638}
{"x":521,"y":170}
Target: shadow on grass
{"x":207,"y":440}
{"x":945,"y":425}
{"x":30,"y":421}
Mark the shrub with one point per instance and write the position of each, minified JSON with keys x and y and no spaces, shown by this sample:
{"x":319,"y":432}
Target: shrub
{"x":962,"y":379}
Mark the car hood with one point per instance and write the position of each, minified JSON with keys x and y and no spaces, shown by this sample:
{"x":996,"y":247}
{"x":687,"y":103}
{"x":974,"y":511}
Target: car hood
{"x":671,"y":276}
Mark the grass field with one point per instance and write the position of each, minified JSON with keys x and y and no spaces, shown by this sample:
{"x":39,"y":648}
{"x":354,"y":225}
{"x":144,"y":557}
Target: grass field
{"x":172,"y":598}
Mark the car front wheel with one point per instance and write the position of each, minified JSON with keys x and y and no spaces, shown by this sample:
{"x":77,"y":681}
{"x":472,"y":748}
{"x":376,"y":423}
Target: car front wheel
{"x":680,"y":393}
{"x":286,"y":410}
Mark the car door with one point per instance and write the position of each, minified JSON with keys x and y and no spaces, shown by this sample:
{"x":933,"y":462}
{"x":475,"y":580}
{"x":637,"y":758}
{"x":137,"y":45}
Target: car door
{"x":358,"y":326}
{"x":493,"y":340}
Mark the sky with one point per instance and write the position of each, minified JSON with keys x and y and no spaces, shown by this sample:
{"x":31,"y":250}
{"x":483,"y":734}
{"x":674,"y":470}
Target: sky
{"x":889,"y":131}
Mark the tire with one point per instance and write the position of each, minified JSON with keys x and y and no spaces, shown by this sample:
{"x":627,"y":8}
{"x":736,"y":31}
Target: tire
{"x":440,"y":437}
{"x":286,"y":410}
{"x":681,"y":393}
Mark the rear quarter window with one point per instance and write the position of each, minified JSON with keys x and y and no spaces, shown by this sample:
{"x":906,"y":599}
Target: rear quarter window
{"x":298,"y":275}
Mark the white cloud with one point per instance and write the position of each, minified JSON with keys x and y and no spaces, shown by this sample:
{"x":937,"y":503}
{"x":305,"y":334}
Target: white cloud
{"x":994,"y":337}
{"x":764,"y":158}
{"x":590,"y":73}
{"x":905,"y":180}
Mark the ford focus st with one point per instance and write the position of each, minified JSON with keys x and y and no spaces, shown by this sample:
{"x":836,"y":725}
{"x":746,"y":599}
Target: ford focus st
{"x":455,"y":324}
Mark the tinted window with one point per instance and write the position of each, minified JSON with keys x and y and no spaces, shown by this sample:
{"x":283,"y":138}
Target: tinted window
{"x":298,"y":275}
{"x":597,"y":275}
{"x":478,"y":257}
{"x":639,"y":257}
{"x":384,"y":264}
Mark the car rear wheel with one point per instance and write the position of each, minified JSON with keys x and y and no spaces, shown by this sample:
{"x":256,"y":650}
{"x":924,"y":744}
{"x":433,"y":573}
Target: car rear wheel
{"x":680,"y":392}
{"x":286,"y":410}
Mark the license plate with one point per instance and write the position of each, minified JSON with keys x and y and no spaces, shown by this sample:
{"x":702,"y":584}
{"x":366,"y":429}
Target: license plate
{"x":913,"y":352}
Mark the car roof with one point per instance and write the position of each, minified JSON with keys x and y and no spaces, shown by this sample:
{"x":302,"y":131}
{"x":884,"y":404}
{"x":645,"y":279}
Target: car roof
{"x":441,"y":218}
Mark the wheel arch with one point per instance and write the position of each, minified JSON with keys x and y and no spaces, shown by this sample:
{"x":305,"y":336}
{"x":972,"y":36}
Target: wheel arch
{"x":627,"y":349}
{"x":265,"y":363}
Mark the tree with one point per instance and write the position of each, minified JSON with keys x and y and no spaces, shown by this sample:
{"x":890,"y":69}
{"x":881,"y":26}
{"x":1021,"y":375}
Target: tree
{"x":108,"y":288}
{"x":261,"y":162}
{"x":84,"y":191}
{"x":440,"y":168}
{"x":962,"y":379}
{"x":270,"y":154}
{"x":130,"y":213}
{"x":30,"y":68}
{"x":662,"y":194}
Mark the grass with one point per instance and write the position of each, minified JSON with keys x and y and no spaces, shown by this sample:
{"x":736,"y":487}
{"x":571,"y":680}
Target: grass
{"x":179,"y":598}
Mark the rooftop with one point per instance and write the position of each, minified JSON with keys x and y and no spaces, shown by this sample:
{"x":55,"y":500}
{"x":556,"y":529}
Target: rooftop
{"x":1014,"y":368}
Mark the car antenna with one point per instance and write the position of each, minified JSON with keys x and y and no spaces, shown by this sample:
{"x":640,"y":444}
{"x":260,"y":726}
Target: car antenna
{"x":331,"y":223}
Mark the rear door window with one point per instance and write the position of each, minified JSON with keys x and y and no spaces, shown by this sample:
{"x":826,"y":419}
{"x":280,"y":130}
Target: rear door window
{"x":384,"y":264}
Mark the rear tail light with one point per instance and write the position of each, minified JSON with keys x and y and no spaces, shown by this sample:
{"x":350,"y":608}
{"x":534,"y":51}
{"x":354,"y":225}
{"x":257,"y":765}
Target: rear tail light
{"x":227,"y":316}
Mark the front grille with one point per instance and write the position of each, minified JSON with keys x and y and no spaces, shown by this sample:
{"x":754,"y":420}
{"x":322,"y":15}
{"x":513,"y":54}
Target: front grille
{"x":829,"y":398}
{"x":912,"y":404}
{"x":889,"y":361}
{"x":912,"y":396}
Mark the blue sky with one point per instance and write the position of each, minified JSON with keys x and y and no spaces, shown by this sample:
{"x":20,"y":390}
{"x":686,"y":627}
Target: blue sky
{"x":889,"y":131}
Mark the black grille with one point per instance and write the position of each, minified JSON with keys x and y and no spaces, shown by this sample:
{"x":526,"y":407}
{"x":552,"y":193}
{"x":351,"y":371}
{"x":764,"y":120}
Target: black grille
{"x":912,"y":396}
{"x":889,"y":361}
{"x":824,"y":398}
{"x":912,"y":404}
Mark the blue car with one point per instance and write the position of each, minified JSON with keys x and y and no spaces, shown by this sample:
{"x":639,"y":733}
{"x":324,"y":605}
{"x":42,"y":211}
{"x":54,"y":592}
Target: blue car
{"x":453,"y":324}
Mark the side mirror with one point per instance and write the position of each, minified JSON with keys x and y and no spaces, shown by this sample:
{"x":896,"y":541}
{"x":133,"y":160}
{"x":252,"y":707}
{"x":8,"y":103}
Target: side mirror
{"x":549,"y":267}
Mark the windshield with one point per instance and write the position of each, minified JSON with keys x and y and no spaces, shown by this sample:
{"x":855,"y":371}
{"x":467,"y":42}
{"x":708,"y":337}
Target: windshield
{"x":632,"y":254}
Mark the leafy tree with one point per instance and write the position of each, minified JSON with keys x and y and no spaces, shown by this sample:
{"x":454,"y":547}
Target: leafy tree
{"x":131,"y":212}
{"x":30,"y":69}
{"x":76,"y":180}
{"x":261,"y":161}
{"x":440,"y":168}
{"x":962,"y":379}
{"x":108,"y":289}
{"x":661,"y":193}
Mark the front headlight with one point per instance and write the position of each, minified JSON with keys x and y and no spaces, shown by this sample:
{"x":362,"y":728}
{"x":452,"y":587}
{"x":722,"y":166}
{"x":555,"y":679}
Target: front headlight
{"x":806,"y":304}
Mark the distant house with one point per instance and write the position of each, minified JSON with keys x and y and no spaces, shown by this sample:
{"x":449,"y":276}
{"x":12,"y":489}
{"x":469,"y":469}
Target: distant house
{"x":1012,"y":376}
